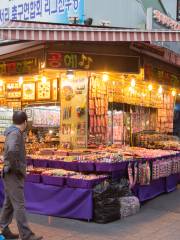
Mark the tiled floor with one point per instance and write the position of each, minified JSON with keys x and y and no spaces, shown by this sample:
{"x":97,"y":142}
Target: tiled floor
{"x":158,"y":219}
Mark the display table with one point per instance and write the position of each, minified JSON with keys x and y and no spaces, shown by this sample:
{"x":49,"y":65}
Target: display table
{"x":77,"y":203}
{"x":57,"y":201}
{"x":157,"y":187}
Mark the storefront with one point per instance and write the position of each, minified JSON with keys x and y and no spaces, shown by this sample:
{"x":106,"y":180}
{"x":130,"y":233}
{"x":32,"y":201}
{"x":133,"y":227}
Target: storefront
{"x":87,"y":104}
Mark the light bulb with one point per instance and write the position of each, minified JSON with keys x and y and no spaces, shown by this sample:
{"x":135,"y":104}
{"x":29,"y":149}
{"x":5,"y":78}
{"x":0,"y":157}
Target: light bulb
{"x":20,"y":80}
{"x":44,"y":79}
{"x":133,"y":83}
{"x":70,"y":75}
{"x":36,"y":78}
{"x":173,"y":93}
{"x":1,"y":83}
{"x":105,"y":77}
{"x":150,"y":87}
{"x":43,"y":64}
{"x":160,"y":90}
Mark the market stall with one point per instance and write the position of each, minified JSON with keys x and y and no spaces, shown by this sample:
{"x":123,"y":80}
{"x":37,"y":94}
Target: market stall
{"x":86,"y":111}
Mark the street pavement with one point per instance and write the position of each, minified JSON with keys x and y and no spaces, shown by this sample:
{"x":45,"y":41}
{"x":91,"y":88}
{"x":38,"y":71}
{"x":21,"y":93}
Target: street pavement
{"x":158,"y":219}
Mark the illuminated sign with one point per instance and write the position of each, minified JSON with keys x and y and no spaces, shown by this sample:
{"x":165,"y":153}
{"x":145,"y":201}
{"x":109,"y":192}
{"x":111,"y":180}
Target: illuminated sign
{"x":165,"y":20}
{"x":92,"y":62}
{"x":27,"y":66}
{"x":52,"y":11}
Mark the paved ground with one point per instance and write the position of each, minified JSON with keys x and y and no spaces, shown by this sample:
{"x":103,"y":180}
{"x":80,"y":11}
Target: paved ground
{"x":158,"y":219}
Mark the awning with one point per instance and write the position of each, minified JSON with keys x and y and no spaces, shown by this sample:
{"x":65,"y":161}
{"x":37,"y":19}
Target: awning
{"x":19,"y":48}
{"x":19,"y":30}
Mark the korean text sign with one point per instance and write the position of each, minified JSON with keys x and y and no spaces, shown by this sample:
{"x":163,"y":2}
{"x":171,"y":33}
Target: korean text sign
{"x":52,"y":11}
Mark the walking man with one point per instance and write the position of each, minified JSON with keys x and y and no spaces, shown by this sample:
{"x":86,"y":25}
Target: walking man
{"x":14,"y":173}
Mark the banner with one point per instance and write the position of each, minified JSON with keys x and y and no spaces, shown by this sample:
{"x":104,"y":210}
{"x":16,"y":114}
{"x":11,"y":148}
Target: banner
{"x":51,"y":11}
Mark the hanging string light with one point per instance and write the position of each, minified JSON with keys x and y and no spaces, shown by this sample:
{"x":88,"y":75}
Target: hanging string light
{"x":173,"y":93}
{"x":105,"y":77}
{"x":150,"y":87}
{"x":36,"y":77}
{"x":70,"y":75}
{"x":133,"y":83}
{"x":160,"y":90}
{"x":1,"y":83}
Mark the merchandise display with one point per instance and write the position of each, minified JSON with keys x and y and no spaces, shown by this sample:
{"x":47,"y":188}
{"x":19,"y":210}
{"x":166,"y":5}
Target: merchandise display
{"x":5,"y":119}
{"x":155,"y":140}
{"x":98,"y":110}
{"x":61,"y":177}
{"x":140,"y":164}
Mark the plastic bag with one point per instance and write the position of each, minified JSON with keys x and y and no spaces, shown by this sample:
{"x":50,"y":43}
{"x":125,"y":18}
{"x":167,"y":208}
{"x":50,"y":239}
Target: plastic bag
{"x":112,"y":189}
{"x":107,"y":210}
{"x":129,"y":206}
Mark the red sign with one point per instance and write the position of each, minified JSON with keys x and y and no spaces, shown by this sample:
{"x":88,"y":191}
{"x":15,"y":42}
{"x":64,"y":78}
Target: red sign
{"x":165,"y":20}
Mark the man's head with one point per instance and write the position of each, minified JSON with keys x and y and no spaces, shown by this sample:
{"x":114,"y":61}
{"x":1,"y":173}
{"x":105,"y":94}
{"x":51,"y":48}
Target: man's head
{"x":20,"y":120}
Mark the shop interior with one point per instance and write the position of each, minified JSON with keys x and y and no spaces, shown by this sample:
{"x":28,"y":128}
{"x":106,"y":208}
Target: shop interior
{"x":111,"y":108}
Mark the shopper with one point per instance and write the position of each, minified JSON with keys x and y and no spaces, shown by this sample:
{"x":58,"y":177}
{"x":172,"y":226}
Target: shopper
{"x":14,"y":173}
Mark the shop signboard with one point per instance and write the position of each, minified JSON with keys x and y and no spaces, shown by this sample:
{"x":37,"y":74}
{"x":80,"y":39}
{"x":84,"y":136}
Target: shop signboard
{"x":159,"y":20}
{"x":51,"y":11}
{"x":83,"y":61}
{"x":27,"y":66}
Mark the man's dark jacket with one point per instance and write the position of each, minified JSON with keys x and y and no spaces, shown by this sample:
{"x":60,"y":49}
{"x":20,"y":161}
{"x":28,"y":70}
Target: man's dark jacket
{"x":14,"y":151}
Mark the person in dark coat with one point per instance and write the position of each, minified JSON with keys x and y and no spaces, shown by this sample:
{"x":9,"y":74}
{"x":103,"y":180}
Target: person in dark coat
{"x":13,"y":174}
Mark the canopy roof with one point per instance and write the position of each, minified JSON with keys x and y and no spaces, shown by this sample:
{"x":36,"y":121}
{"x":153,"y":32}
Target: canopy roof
{"x":20,"y":30}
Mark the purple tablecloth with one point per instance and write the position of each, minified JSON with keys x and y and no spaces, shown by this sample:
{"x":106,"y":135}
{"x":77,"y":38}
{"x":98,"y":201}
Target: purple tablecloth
{"x":171,"y":183}
{"x":157,"y":187}
{"x":148,"y":192}
{"x":57,"y":201}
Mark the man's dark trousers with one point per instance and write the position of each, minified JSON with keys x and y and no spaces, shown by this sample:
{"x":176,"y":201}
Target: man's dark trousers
{"x":15,"y":203}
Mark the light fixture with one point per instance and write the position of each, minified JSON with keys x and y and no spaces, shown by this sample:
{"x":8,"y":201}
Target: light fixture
{"x":50,"y":131}
{"x":70,"y":74}
{"x":43,"y":64}
{"x":133,"y":83}
{"x":150,"y":87}
{"x":36,"y":77}
{"x":105,"y":77}
{"x":1,"y":83}
{"x":173,"y":93}
{"x":20,"y":80}
{"x":44,"y":79}
{"x":160,"y":90}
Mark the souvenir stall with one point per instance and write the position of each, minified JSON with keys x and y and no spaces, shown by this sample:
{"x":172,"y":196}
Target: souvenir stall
{"x":86,"y":111}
